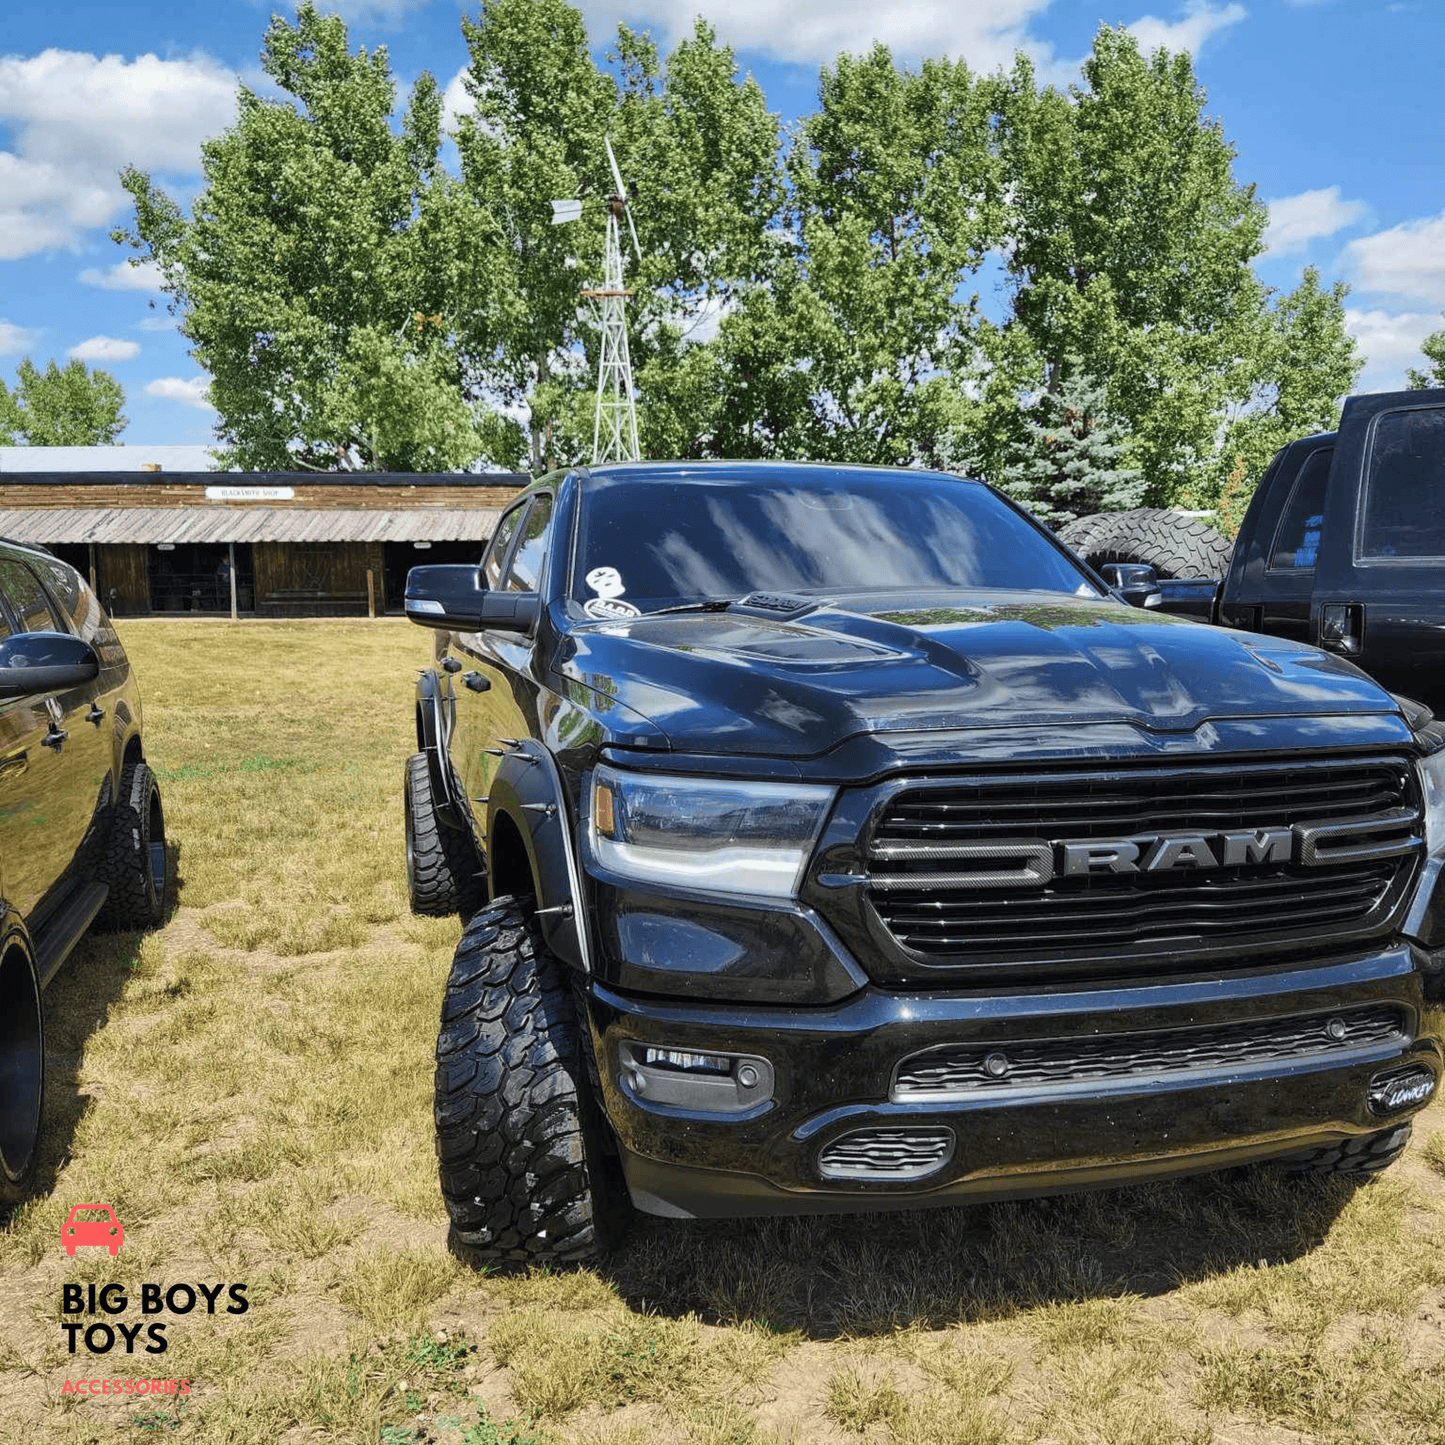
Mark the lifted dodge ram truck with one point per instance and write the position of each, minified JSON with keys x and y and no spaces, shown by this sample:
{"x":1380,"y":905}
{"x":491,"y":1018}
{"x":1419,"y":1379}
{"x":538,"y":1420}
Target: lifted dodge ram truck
{"x":849,"y":845}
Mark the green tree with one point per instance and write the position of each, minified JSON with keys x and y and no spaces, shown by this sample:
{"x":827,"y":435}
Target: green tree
{"x":319,"y":272}
{"x":1307,"y":362}
{"x":69,"y":406}
{"x":1128,"y":247}
{"x":1071,"y":458}
{"x":699,"y":145}
{"x":1433,"y":347}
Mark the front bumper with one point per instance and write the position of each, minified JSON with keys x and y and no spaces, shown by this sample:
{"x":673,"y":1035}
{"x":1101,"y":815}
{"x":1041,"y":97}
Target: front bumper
{"x":1127,"y":1110}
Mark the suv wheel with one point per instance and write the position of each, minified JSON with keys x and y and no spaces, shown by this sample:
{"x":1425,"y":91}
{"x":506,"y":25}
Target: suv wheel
{"x":135,"y":863}
{"x":442,"y":868}
{"x":521,"y":1143}
{"x":1361,"y":1156}
{"x":22,"y":1077}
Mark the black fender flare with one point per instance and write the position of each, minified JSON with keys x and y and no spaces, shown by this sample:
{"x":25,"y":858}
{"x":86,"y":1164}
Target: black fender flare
{"x":528,"y":788}
{"x":432,"y":733}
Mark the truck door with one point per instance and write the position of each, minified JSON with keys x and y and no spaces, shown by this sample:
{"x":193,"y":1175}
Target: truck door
{"x":1281,"y":539}
{"x":1380,"y":592}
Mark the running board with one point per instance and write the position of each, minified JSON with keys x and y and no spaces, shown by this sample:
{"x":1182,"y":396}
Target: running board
{"x":63,"y":932}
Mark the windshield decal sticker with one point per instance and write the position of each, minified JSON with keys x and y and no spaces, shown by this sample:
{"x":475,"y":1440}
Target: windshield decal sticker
{"x":610,"y":607}
{"x":606,"y":582}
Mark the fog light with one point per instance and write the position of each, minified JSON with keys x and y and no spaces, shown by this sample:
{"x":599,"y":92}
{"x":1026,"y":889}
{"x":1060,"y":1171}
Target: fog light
{"x":1401,"y":1089}
{"x":694,"y":1063}
{"x":706,"y":1083}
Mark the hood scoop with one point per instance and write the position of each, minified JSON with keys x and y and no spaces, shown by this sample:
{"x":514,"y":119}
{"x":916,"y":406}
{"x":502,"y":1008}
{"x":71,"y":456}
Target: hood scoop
{"x":777,"y":605}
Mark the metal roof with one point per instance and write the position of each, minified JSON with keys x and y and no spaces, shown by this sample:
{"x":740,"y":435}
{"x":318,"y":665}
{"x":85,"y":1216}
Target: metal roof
{"x":246,"y":524}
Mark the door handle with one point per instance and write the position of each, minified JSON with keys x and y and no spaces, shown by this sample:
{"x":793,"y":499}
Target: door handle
{"x":96,"y":714}
{"x":54,"y":738}
{"x":477,"y":682}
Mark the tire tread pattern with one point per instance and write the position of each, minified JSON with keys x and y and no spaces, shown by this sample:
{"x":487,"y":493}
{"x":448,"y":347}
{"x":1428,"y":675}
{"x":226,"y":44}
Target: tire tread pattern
{"x":125,"y":863}
{"x":443,"y":872}
{"x":1364,"y":1155}
{"x":522,"y":1174}
{"x":1173,"y":543}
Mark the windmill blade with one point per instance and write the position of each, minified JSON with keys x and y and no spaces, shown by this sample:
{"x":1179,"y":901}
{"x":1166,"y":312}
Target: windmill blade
{"x":622,"y":196}
{"x":564,"y":211}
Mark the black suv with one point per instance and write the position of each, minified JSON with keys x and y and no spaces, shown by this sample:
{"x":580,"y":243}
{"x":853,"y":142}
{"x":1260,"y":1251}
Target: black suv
{"x":82,"y":835}
{"x":850,"y":845}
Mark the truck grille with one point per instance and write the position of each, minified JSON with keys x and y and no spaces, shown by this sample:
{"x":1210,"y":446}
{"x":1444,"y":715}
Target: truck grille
{"x":961,"y":1071}
{"x":1186,"y":862}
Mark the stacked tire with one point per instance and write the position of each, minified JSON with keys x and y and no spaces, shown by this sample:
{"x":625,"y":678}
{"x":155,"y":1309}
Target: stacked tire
{"x":1174,"y":544}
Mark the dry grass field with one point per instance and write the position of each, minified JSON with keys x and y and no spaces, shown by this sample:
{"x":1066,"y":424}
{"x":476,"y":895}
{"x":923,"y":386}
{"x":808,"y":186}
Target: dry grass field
{"x":250,"y":1089}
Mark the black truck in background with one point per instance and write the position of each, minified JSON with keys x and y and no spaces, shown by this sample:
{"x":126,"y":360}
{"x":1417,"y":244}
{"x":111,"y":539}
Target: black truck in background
{"x":1343,"y":546}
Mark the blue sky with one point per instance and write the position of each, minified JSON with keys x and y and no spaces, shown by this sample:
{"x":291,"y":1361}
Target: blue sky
{"x":1334,"y":106}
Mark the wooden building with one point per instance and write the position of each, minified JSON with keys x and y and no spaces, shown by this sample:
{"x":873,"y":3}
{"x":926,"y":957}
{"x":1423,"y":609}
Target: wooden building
{"x":266,"y":544}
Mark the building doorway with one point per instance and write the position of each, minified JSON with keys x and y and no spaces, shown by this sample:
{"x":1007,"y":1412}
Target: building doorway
{"x":196,"y":577}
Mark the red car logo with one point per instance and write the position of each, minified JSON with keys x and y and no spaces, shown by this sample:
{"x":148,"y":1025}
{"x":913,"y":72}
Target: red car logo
{"x":104,"y":1231}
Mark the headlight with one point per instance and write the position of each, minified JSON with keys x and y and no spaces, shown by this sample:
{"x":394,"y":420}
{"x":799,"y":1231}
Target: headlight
{"x":1432,"y":786}
{"x":716,"y":837}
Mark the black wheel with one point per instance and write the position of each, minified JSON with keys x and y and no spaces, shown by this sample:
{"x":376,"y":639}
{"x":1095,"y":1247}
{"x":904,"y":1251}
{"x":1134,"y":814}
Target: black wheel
{"x":1172,"y":543}
{"x":443,"y":872}
{"x":526,"y":1173}
{"x":22,"y":1075}
{"x":135,"y":863}
{"x":1365,"y":1155}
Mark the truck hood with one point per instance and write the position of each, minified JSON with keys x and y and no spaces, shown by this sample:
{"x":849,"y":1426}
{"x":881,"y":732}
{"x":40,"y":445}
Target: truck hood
{"x":739,"y":682}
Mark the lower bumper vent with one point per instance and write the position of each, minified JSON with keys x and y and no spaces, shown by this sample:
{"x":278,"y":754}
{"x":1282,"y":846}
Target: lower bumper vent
{"x":886,"y":1155}
{"x":962,"y":1071}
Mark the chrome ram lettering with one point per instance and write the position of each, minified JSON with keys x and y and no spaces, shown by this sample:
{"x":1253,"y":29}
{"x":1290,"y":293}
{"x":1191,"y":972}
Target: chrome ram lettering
{"x":1151,"y":853}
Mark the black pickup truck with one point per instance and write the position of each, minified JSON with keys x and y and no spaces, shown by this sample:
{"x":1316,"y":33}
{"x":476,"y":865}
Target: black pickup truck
{"x":849,"y":845}
{"x":1343,"y":546}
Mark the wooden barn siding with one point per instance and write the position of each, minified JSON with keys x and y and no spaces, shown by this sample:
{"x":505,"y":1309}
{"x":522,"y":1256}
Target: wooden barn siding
{"x":370,"y":498}
{"x":123,"y":567}
{"x":294,"y":580}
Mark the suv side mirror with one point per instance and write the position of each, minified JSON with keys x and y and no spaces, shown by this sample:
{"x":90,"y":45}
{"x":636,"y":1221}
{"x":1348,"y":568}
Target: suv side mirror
{"x":32,"y":662}
{"x":1136,"y":582}
{"x":455,"y":599}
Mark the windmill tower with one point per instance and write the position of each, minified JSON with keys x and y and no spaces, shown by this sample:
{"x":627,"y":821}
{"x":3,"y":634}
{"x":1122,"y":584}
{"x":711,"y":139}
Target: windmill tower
{"x":614,"y":426}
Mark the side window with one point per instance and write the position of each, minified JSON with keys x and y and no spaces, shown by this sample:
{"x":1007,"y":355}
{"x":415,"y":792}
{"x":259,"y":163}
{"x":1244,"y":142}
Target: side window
{"x":84,"y":609}
{"x":497,"y":547}
{"x":27,"y":597}
{"x":1405,"y":486}
{"x":1297,"y":542}
{"x":526,"y":569}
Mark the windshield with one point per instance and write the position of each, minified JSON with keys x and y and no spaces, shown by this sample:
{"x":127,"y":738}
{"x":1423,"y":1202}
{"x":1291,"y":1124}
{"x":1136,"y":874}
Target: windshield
{"x":650,"y":544}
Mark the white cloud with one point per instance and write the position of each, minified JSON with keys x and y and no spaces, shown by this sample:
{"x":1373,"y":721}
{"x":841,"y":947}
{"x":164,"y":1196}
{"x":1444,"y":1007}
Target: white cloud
{"x":1407,"y":261}
{"x":104,"y":348}
{"x":1391,"y":342}
{"x":985,"y":33}
{"x":16,"y":338}
{"x":377,"y":11}
{"x":124,"y":277}
{"x":156,"y":323}
{"x":190,"y":391}
{"x":1297,"y":220}
{"x":455,"y":101}
{"x":1202,"y":21}
{"x":80,"y":118}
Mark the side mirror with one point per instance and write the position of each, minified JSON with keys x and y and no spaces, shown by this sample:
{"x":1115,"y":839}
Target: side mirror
{"x":455,"y":599}
{"x":33,"y":662}
{"x":1136,"y":582}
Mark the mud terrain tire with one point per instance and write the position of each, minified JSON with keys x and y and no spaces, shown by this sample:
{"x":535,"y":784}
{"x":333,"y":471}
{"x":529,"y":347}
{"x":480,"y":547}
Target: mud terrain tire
{"x":443,"y":872}
{"x":1172,"y":543}
{"x":135,"y":864}
{"x":521,"y":1144}
{"x":1361,"y":1157}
